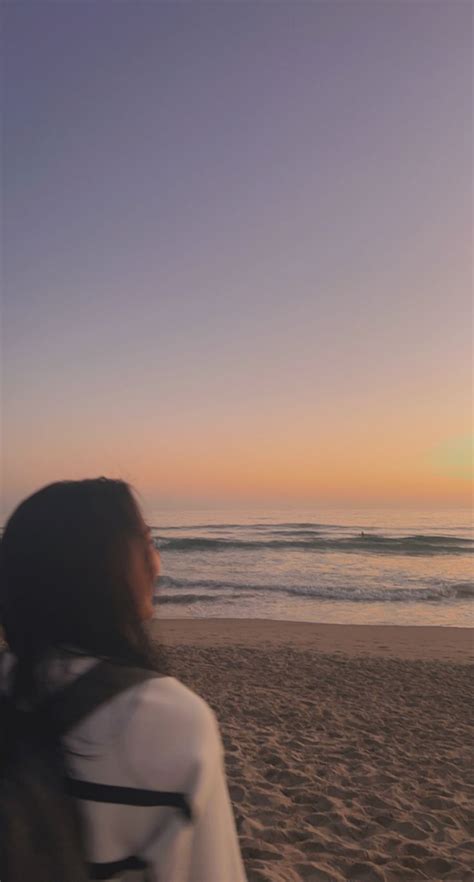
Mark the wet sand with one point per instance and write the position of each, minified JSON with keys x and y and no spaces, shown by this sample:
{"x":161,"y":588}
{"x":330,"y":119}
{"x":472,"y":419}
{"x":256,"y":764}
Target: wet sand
{"x":348,"y":748}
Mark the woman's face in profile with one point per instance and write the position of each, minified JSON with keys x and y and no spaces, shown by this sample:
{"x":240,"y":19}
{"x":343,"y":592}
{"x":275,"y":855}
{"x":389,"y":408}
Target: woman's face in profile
{"x":144,"y":569}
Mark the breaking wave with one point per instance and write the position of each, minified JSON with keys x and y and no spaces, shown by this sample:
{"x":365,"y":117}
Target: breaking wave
{"x":434,"y":593}
{"x":305,"y":540}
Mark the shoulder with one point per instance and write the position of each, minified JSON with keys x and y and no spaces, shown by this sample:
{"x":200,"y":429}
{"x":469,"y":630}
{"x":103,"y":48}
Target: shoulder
{"x":166,"y":707}
{"x":172,"y":736}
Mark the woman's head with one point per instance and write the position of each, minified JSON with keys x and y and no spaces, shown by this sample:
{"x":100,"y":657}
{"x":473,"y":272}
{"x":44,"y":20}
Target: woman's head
{"x":77,"y":566}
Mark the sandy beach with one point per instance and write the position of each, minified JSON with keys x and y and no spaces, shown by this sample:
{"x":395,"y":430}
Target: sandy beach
{"x":348,"y":748}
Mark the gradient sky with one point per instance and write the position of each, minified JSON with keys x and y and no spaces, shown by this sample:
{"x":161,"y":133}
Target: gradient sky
{"x":237,"y":249}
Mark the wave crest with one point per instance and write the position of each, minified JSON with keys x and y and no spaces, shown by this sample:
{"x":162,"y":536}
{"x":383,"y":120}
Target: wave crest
{"x":362,"y":543}
{"x":435,"y":593}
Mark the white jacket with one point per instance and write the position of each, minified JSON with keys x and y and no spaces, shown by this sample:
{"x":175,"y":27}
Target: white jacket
{"x":155,"y":736}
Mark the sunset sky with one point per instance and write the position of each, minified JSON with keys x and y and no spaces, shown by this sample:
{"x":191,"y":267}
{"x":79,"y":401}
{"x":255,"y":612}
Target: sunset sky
{"x":237,"y":249}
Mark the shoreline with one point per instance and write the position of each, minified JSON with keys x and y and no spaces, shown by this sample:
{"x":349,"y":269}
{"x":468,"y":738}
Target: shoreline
{"x":407,"y":642}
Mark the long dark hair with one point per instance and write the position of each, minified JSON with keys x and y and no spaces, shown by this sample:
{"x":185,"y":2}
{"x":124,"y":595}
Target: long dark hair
{"x":63,"y":578}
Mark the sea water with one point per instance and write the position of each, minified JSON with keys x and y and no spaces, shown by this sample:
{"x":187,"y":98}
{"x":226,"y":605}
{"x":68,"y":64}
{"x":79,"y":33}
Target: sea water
{"x":315,"y":565}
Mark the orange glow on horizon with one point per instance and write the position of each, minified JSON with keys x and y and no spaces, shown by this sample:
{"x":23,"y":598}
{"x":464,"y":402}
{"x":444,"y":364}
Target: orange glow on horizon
{"x":287,"y":473}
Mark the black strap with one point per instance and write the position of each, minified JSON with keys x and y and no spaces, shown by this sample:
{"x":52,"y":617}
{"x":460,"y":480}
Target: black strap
{"x":65,"y":708}
{"x":126,"y":795}
{"x":106,"y":870}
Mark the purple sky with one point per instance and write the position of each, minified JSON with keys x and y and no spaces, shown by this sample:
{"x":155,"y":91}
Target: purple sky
{"x":235,"y":233}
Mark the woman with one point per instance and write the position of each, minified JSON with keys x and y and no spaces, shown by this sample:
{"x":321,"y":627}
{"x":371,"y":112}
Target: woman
{"x":77,"y":572}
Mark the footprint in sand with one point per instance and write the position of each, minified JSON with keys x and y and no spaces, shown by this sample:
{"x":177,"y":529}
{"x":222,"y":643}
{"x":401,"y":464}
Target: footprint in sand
{"x":267,"y":798}
{"x":385,"y":819}
{"x":411,"y":831}
{"x":272,"y":759}
{"x":318,"y":819}
{"x":437,"y":867}
{"x":282,"y":776}
{"x":255,"y":853}
{"x":438,"y":802}
{"x":237,"y":793}
{"x":363,"y":872}
{"x":415,"y":850}
{"x":312,"y":846}
{"x":314,"y":873}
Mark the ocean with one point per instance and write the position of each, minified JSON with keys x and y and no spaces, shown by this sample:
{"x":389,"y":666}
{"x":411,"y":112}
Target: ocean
{"x":343,"y":566}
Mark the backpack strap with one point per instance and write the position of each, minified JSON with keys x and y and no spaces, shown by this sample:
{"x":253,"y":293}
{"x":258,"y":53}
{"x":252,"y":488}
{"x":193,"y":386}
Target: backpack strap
{"x":65,"y":708}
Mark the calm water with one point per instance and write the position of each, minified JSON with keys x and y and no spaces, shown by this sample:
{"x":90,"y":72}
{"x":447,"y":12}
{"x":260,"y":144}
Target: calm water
{"x":384,"y":567}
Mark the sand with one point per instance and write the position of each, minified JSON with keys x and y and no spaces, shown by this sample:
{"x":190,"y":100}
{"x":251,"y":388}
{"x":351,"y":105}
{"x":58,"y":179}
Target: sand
{"x":348,"y":749}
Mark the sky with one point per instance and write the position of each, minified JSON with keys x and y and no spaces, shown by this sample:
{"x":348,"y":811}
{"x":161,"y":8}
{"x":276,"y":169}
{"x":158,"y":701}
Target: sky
{"x":236,"y":249}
